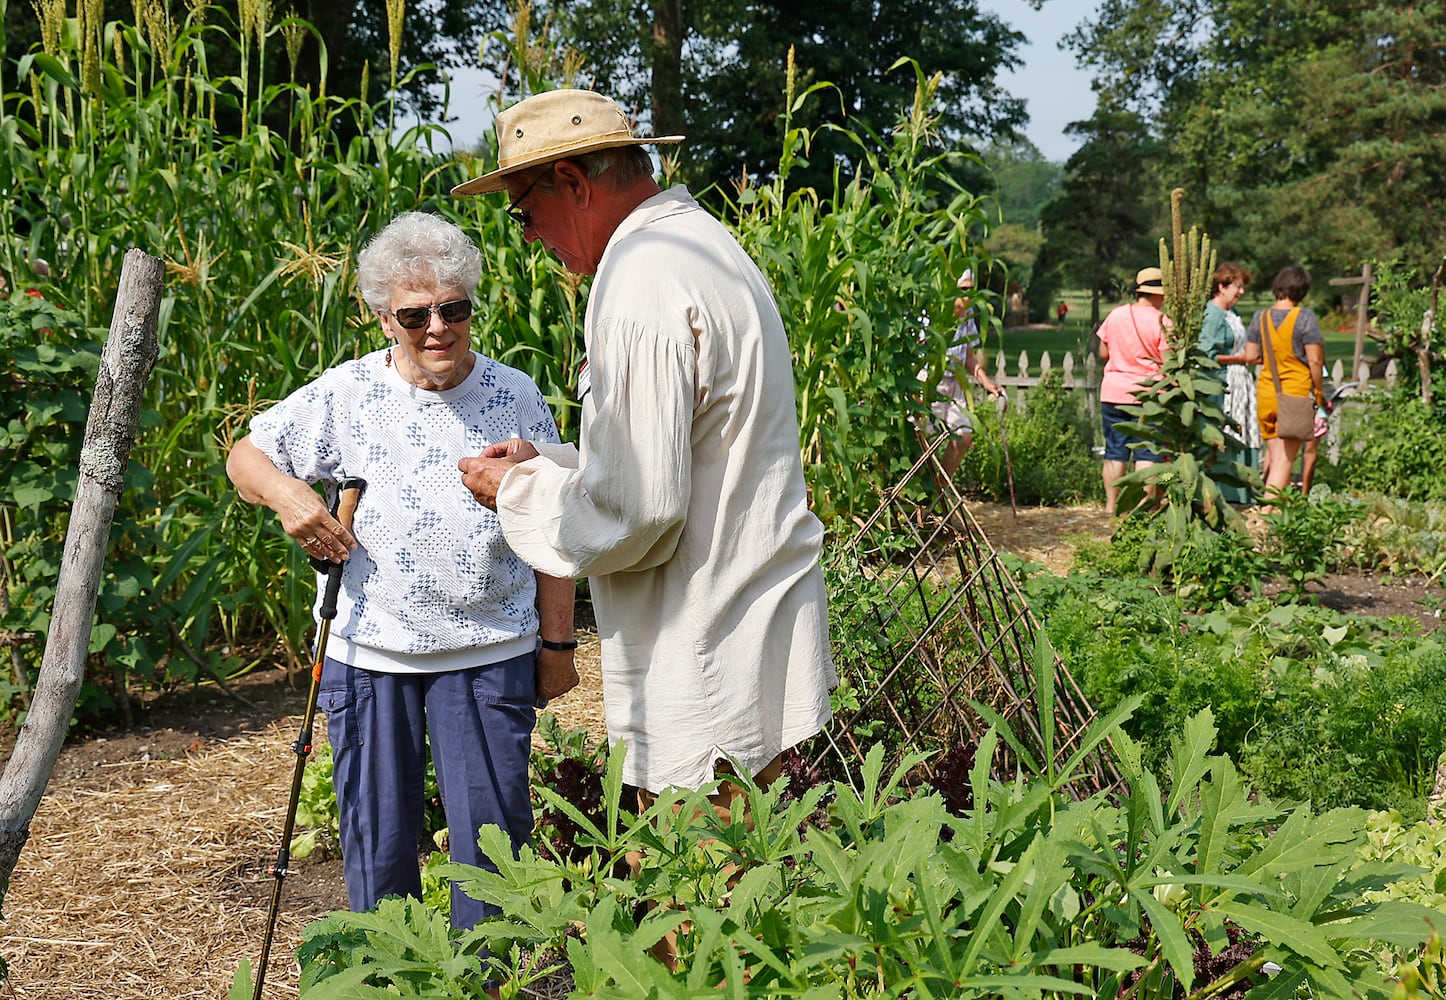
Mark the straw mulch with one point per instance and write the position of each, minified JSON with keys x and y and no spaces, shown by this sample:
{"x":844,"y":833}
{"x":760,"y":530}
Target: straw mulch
{"x":146,"y":878}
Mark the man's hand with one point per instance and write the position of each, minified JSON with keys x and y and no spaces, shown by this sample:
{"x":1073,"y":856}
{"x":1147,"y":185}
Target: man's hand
{"x":483,"y":475}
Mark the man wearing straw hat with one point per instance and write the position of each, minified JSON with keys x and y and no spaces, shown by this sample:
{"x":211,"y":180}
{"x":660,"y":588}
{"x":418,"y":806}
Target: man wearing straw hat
{"x":685,"y":502}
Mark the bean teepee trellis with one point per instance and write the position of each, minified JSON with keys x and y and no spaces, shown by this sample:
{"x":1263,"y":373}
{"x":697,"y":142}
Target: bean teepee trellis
{"x":929,"y":623}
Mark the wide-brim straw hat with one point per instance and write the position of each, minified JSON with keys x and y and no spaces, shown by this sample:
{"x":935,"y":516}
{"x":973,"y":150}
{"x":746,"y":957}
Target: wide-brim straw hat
{"x":1150,"y":280}
{"x":553,"y":126}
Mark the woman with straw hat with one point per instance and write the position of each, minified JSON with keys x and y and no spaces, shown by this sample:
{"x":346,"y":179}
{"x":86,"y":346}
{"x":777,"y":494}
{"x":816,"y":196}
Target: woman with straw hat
{"x":1132,"y":344}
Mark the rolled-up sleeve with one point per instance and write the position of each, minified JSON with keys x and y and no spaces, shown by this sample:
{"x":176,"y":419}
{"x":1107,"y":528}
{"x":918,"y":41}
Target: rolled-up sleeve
{"x":623,"y":505}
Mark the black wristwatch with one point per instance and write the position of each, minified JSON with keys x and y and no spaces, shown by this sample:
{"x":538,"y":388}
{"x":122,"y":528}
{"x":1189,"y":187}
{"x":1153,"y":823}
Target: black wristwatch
{"x":561,"y":647}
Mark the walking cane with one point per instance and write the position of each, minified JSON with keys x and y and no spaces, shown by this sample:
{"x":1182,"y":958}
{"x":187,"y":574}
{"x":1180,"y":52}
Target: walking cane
{"x":344,"y":509}
{"x":1001,"y":403}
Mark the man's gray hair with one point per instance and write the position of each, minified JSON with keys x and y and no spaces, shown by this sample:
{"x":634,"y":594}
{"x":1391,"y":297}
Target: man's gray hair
{"x":618,"y":167}
{"x":416,"y":250}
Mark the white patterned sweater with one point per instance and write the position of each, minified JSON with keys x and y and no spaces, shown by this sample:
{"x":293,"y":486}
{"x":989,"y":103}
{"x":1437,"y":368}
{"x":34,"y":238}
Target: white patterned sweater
{"x":434,"y":585}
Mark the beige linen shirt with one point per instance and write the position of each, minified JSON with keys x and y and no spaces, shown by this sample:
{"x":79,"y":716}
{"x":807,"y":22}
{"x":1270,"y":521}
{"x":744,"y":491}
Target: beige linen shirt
{"x":686,"y":506}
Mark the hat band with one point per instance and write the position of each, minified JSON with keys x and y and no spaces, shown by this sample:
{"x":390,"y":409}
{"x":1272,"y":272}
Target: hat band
{"x":531,"y":155}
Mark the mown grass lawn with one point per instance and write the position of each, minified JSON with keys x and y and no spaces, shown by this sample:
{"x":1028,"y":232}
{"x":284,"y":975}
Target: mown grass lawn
{"x":1339,"y":329}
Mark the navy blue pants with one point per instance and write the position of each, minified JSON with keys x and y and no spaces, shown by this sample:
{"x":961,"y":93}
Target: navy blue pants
{"x":480,"y":721}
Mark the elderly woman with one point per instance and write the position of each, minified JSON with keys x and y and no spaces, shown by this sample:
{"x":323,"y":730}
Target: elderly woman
{"x":1132,"y":345}
{"x":1298,"y":347}
{"x":1222,"y":338}
{"x":441,"y":631}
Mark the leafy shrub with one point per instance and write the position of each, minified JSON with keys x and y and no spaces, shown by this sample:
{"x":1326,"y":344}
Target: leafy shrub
{"x":1397,"y":536}
{"x":568,"y":765}
{"x":1049,"y":449}
{"x":1305,"y":534}
{"x":1117,"y":556}
{"x":147,"y":627}
{"x":1392,"y":445}
{"x":1390,"y":838}
{"x":1305,"y":538}
{"x":1216,"y":566}
{"x":1179,"y":414}
{"x":1310,"y":703}
{"x":1362,"y":727}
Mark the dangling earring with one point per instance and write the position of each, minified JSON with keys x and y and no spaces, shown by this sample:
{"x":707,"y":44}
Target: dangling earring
{"x":389,"y":357}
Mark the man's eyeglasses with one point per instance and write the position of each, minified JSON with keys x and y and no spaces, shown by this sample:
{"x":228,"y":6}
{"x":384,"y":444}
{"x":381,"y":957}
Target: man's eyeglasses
{"x":522,"y":216}
{"x":416,"y":317}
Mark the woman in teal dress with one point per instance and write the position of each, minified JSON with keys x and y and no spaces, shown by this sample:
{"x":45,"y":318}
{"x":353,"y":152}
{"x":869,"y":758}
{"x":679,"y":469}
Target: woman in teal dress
{"x":1222,"y":337}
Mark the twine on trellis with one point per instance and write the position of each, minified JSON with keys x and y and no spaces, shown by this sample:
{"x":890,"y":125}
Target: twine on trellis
{"x":928,"y":622}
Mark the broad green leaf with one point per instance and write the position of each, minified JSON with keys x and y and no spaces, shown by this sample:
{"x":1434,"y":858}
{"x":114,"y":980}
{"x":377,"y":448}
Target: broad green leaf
{"x":1174,"y":942}
{"x":1218,"y":801}
{"x":31,"y":496}
{"x":1284,"y":985}
{"x":1394,"y":921}
{"x":1190,"y":757}
{"x":1092,"y":954}
{"x":1305,"y":839}
{"x":1281,"y":929}
{"x":1005,"y":894}
{"x":101,"y":635}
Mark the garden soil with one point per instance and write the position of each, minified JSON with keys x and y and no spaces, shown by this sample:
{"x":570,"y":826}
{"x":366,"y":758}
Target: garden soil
{"x":145,"y":873}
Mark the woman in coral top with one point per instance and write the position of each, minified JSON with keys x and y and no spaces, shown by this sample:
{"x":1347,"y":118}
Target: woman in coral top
{"x":1132,"y":344}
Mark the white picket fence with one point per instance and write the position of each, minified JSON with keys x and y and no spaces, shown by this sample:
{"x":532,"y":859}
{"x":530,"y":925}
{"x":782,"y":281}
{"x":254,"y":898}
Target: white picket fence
{"x":1086,"y":377}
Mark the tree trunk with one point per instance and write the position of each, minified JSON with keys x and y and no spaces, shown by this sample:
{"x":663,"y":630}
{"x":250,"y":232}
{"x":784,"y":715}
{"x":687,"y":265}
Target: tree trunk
{"x":130,"y":353}
{"x":667,"y":78}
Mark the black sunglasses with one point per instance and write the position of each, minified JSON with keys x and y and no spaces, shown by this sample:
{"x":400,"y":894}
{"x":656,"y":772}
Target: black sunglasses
{"x":520,"y":215}
{"x":416,"y":317}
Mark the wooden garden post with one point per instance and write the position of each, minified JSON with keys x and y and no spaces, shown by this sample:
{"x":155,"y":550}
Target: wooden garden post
{"x":1362,"y":314}
{"x":110,"y":431}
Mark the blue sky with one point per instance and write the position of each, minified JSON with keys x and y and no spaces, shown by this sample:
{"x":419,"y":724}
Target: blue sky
{"x":1055,"y":91}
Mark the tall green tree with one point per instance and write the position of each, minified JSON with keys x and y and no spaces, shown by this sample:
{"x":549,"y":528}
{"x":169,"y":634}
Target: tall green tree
{"x":717,"y":71}
{"x":1105,"y":222}
{"x":1315,"y":130}
{"x":1022,"y":180}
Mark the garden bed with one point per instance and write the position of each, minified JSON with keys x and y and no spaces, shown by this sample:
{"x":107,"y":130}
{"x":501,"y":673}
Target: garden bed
{"x":145,"y":872}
